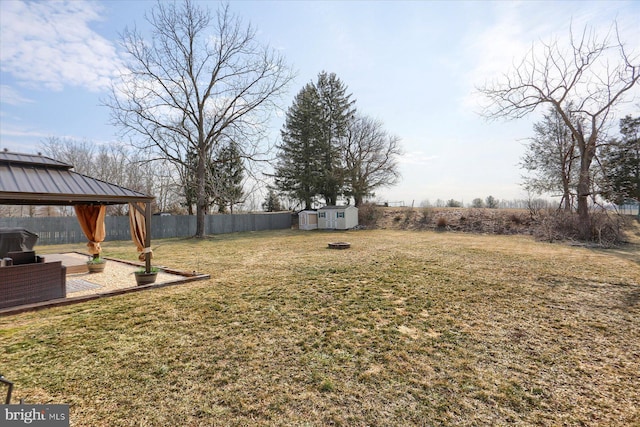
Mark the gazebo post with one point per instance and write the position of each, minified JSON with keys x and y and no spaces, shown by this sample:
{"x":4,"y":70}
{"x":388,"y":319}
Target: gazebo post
{"x":147,"y":237}
{"x":140,"y":213}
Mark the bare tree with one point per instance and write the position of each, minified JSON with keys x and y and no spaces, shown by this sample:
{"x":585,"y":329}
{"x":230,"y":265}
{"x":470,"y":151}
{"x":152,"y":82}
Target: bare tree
{"x":77,"y":154}
{"x":200,"y":79}
{"x":550,"y":159}
{"x":370,"y":157}
{"x":583,"y":74}
{"x":116,"y":164}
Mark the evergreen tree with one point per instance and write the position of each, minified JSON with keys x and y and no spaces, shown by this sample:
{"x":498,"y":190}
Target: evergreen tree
{"x":336,"y":110}
{"x":621,"y":162}
{"x":297,"y":171}
{"x":271,"y":203}
{"x":491,"y":202}
{"x":225,"y":178}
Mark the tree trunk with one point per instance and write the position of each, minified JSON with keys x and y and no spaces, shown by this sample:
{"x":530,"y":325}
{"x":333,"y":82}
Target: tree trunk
{"x":587,"y":149}
{"x":201,"y":205}
{"x":307,"y":198}
{"x":584,"y":219}
{"x":567,"y":194}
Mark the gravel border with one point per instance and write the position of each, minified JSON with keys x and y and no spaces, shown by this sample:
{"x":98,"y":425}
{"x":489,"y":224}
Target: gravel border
{"x":116,"y":279}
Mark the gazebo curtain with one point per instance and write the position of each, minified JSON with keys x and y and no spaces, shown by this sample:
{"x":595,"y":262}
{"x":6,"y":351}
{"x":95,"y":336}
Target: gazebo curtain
{"x":137,"y":224}
{"x":91,"y":219}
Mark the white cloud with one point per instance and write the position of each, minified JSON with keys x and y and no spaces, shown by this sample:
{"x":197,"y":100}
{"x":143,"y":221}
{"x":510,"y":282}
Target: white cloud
{"x":13,"y":138}
{"x":10,"y":96}
{"x":417,"y":158}
{"x":21,"y":133}
{"x":51,"y":44}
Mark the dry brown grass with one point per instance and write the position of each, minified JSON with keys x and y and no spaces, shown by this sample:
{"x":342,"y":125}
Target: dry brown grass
{"x":404,"y":328}
{"x":608,"y":228}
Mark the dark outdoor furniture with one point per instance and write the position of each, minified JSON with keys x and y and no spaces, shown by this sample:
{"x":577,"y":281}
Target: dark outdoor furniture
{"x":23,"y":257}
{"x":16,"y":239}
{"x":32,"y":282}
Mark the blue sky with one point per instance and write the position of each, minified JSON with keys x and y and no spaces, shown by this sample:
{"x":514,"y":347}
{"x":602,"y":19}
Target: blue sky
{"x":414,"y":65}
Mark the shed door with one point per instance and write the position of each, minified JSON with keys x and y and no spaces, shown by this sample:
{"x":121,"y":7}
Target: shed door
{"x":332,"y":219}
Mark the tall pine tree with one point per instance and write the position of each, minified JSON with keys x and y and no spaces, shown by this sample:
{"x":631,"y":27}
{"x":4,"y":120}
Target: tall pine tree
{"x":335,"y":111}
{"x":272,"y":202}
{"x":297,"y":171}
{"x":227,"y":174}
{"x":621,"y":161}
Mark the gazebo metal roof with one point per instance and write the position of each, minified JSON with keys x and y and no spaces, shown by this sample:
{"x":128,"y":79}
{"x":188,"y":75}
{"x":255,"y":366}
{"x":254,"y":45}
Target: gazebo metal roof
{"x":27,"y":179}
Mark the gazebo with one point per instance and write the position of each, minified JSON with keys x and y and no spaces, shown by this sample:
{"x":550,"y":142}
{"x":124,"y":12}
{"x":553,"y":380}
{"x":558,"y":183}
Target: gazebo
{"x":27,"y":179}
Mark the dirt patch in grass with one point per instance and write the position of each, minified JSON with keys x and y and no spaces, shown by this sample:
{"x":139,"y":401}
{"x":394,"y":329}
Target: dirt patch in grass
{"x":403,"y":328}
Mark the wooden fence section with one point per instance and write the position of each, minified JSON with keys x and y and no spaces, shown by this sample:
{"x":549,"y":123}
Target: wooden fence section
{"x":60,"y":230}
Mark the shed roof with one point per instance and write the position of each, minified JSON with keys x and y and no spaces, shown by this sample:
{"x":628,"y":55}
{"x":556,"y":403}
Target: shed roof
{"x":27,"y":179}
{"x":331,"y":207}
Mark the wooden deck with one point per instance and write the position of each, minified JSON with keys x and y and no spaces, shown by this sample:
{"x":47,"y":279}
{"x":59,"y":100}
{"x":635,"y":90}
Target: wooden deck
{"x":75,"y":262}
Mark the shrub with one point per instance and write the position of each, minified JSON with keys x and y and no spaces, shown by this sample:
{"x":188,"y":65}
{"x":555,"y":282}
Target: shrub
{"x":408,"y":214}
{"x":556,"y":225}
{"x":606,"y":229}
{"x":427,"y":214}
{"x":369,"y":214}
{"x":516,"y":219}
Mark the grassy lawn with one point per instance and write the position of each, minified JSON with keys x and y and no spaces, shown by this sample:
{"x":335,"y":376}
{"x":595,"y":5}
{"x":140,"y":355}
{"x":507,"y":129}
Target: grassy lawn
{"x":404,"y":328}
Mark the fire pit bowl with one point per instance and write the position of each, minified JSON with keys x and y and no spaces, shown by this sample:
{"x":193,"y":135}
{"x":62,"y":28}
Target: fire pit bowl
{"x":339,"y":245}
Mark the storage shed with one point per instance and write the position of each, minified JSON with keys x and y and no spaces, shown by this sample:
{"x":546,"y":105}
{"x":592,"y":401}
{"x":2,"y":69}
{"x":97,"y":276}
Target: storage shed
{"x":337,"y":217}
{"x":308,"y":220}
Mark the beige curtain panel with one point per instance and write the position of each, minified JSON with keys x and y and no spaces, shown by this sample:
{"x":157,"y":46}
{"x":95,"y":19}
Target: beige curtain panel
{"x":91,"y":219}
{"x":138,"y":229}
